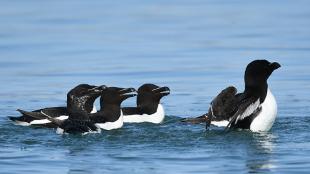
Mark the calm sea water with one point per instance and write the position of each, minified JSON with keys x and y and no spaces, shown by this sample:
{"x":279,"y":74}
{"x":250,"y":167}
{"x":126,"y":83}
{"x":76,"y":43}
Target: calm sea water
{"x":195,"y":47}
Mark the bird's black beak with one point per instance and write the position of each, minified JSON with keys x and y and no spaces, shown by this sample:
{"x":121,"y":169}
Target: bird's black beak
{"x":162,"y":91}
{"x":274,"y":66}
{"x":98,"y":89}
{"x":127,"y":93}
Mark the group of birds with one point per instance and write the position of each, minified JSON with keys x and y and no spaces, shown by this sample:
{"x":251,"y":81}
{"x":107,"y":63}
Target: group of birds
{"x":254,"y":109}
{"x":80,"y":114}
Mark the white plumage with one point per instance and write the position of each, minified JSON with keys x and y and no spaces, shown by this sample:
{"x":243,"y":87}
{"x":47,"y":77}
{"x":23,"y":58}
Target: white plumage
{"x":264,"y":121}
{"x":112,"y":125}
{"x":156,"y":118}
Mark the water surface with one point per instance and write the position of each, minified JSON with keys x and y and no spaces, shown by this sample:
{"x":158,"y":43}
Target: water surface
{"x":195,"y":47}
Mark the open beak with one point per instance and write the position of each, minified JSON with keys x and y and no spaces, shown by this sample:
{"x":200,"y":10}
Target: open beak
{"x":163,"y":91}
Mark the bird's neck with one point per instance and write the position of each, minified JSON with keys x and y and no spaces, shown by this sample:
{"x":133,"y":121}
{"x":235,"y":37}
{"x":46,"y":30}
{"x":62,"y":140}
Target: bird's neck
{"x":259,"y":91}
{"x":149,"y":109}
{"x":111,"y":109}
{"x":89,"y":105}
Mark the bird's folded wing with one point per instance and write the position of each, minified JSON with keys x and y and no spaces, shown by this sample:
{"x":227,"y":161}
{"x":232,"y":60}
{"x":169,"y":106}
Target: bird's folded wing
{"x":55,"y":111}
{"x":248,"y":107}
{"x":223,"y":104}
{"x":34,"y":115}
{"x":97,"y":117}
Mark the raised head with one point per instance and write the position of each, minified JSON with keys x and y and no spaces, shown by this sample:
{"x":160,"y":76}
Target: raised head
{"x":83,"y":96}
{"x":256,"y":76}
{"x":115,"y":96}
{"x":149,"y":96}
{"x":258,"y":72}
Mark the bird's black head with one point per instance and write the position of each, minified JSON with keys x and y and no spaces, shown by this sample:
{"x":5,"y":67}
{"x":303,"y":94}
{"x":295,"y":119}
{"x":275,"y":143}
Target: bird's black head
{"x":115,"y":96}
{"x":258,"y":72}
{"x":83,"y":96}
{"x":149,"y":96}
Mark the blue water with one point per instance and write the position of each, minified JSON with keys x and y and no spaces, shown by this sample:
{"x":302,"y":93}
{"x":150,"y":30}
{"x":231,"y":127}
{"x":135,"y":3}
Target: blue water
{"x":195,"y":47}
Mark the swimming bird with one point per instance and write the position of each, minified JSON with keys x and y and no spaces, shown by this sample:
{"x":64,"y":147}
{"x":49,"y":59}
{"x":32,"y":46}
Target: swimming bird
{"x":255,"y":108}
{"x":108,"y":117}
{"x":80,"y":98}
{"x":148,"y":107}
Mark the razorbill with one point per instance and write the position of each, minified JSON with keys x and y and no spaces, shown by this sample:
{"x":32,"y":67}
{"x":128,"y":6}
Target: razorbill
{"x":148,"y":107}
{"x":108,"y":117}
{"x":80,"y":98}
{"x":255,"y":108}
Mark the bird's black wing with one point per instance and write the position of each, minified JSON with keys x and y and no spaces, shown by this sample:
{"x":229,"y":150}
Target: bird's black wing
{"x":36,"y":114}
{"x":55,"y":111}
{"x":78,"y":122}
{"x":98,"y":117}
{"x":78,"y":126}
{"x":248,"y":109}
{"x":224,"y":104}
{"x":220,"y":109}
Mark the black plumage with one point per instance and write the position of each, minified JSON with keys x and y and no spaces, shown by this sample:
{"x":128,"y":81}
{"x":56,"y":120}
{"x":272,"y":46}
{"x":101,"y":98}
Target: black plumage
{"x":80,"y":98}
{"x":240,"y":109}
{"x":148,"y":99}
{"x":110,"y":111}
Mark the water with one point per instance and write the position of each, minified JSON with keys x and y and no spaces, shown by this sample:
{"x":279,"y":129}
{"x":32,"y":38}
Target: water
{"x":195,"y":47}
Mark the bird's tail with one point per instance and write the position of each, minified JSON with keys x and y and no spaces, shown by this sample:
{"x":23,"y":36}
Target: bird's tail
{"x":36,"y":115}
{"x":12,"y":118}
{"x":201,"y":119}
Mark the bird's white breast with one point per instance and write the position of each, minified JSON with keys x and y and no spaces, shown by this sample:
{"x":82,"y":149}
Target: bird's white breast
{"x":112,"y":125}
{"x":156,"y":118}
{"x":264,"y":121}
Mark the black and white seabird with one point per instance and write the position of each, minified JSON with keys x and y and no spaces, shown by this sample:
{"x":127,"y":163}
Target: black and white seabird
{"x":111,"y":115}
{"x":254,"y":109}
{"x":148,"y":107}
{"x":108,"y":117}
{"x":80,"y":98}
